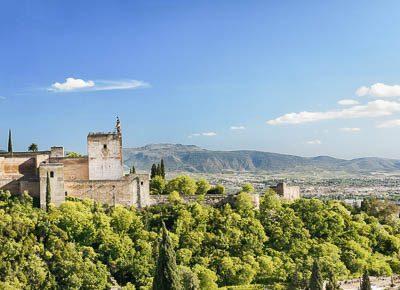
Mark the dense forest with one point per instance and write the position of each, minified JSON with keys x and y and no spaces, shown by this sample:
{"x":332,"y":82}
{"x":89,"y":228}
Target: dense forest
{"x":86,"y":245}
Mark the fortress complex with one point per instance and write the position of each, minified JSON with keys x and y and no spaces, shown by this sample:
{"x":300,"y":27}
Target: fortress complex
{"x":98,"y":176}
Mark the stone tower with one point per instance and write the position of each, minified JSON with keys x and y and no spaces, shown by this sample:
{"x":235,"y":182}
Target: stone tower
{"x":56,"y":174}
{"x":105,"y":155}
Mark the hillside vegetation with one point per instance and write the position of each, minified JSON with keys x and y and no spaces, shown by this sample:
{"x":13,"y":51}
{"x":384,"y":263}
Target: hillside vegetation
{"x":82,"y":244}
{"x":194,"y":159}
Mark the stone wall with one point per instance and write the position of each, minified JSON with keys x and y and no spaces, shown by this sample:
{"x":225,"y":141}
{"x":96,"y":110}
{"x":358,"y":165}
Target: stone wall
{"x":18,"y":166}
{"x":10,"y":184}
{"x":287,"y":192}
{"x":128,"y":191}
{"x":19,"y":173}
{"x":74,"y":168}
{"x":105,"y":156}
{"x":32,"y":187}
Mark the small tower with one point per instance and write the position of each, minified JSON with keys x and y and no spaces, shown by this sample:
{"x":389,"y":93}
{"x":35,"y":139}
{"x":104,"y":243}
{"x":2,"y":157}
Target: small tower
{"x":105,"y":155}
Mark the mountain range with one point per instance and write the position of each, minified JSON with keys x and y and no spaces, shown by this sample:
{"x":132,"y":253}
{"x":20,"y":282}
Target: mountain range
{"x":191,"y":158}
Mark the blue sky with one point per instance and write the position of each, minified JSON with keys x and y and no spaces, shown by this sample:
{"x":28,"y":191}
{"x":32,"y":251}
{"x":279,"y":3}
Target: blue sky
{"x":218,"y":74}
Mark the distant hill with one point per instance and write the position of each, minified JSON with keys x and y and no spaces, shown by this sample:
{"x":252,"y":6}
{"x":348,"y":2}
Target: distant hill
{"x":191,"y":158}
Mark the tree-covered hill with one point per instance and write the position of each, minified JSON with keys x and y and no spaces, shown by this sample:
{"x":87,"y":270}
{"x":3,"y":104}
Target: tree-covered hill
{"x":84,"y":245}
{"x":194,"y":159}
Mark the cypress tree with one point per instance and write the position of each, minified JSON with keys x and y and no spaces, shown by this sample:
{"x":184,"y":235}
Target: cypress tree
{"x":166,"y":275}
{"x":365,"y":283}
{"x":316,"y":282}
{"x":133,"y":169}
{"x":158,"y":170}
{"x":10,"y":145}
{"x":162,"y":168}
{"x":153,"y":172}
{"x":48,"y":192}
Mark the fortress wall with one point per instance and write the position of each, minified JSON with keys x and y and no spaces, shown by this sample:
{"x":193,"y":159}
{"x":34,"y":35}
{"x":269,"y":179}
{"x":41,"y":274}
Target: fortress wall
{"x":110,"y":192}
{"x":128,"y":191}
{"x":23,"y":165}
{"x":9,"y":184}
{"x":32,"y":187}
{"x":1,"y":166}
{"x":74,"y":168}
{"x":15,"y":166}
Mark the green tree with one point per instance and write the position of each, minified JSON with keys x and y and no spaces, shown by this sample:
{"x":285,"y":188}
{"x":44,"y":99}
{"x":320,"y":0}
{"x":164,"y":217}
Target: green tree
{"x":48,"y":192}
{"x":158,"y":170}
{"x":153,"y":172}
{"x":132,"y":170}
{"x":202,"y":186}
{"x":166,"y":275}
{"x":189,"y":279}
{"x":174,"y":197}
{"x":10,"y":144}
{"x":218,"y":189}
{"x":249,"y":188}
{"x":162,"y":168}
{"x":183,"y":184}
{"x":365,"y":282}
{"x":316,"y":282}
{"x":33,"y":148}
{"x":73,"y":155}
{"x":332,"y":284}
{"x":157,"y":185}
{"x":208,"y":279}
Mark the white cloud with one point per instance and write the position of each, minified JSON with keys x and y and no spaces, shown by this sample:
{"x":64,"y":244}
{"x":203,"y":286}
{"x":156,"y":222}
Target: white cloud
{"x":351,"y":130}
{"x":238,"y":128}
{"x":379,"y":90}
{"x":314,"y":142}
{"x":2,"y":98}
{"x":209,"y":134}
{"x":348,"y":102}
{"x":120,"y":85}
{"x":72,"y":85}
{"x":372,"y":109}
{"x":206,"y":134}
{"x":389,"y":124}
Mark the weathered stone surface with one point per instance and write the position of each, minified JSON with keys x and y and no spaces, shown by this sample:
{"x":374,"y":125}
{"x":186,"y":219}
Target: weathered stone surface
{"x":105,"y":156}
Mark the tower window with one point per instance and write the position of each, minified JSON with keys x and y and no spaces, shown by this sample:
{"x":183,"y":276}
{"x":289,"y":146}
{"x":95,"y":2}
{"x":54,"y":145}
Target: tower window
{"x":105,"y":146}
{"x":141,"y":183}
{"x":51,"y":174}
